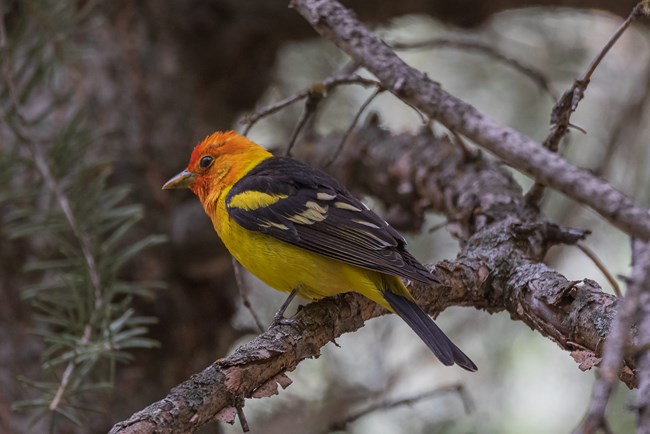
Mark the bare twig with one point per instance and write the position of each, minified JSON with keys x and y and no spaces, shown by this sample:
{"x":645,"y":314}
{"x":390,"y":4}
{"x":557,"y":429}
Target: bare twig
{"x":479,"y":47}
{"x":314,"y":98}
{"x":251,"y":119}
{"x":615,"y":345}
{"x":337,"y":24}
{"x":342,"y":424}
{"x":322,"y":87}
{"x":242,"y":417}
{"x":603,"y":269}
{"x":243,"y":292}
{"x":458,"y":140}
{"x":640,"y":259}
{"x":353,"y":124}
{"x":522,"y":284}
{"x":568,"y":103}
{"x":437,"y":227}
{"x":506,"y":268}
{"x":630,"y":119}
{"x":424,"y":120}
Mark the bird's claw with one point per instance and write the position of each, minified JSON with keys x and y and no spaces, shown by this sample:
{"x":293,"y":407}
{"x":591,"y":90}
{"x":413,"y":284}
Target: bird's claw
{"x":279,"y":320}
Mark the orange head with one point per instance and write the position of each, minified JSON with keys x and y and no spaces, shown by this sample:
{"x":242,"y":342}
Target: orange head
{"x":218,"y":161}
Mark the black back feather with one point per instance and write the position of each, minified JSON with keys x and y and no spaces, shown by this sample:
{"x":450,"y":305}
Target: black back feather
{"x":349,"y":231}
{"x":345,"y":230}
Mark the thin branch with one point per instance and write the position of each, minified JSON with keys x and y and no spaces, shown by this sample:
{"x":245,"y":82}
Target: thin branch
{"x":311,"y":104}
{"x":615,"y":345}
{"x":458,"y":140}
{"x":341,"y":425}
{"x":568,"y":103}
{"x":339,"y":25}
{"x":479,"y":47}
{"x":251,"y":120}
{"x":603,"y":269}
{"x":496,"y":270}
{"x":242,"y":417}
{"x":630,"y":119}
{"x":353,"y":124}
{"x":322,"y":88}
{"x":639,"y":11}
{"x":243,"y":292}
{"x":640,"y":260}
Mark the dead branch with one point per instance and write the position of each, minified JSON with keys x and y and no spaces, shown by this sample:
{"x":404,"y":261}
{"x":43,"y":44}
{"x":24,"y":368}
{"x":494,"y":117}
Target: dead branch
{"x":615,"y":345}
{"x":338,"y":24}
{"x":342,"y":424}
{"x":316,"y":91}
{"x":640,"y":281}
{"x":503,"y":240}
{"x":498,"y":269}
{"x":568,"y":103}
{"x":479,"y":47}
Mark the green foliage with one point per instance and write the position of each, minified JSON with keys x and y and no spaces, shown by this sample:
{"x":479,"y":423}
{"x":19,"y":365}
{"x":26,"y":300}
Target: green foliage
{"x":55,"y":194}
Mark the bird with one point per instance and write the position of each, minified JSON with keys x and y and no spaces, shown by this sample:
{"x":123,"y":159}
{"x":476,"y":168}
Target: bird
{"x":302,"y":232}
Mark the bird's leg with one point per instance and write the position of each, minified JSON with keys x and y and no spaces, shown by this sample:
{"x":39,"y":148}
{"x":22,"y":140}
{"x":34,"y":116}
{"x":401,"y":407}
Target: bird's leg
{"x":279,"y":318}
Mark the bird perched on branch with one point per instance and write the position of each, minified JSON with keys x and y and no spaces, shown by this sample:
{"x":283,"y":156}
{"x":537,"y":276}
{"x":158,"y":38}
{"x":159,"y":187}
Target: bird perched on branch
{"x":300,"y":231}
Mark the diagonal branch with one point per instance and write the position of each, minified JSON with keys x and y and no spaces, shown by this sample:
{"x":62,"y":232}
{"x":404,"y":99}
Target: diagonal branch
{"x":640,"y":284}
{"x":503,"y":240}
{"x":337,"y":24}
{"x":254,"y":369}
{"x":498,"y":269}
{"x":636,"y":298}
{"x":479,"y":47}
{"x":568,"y":103}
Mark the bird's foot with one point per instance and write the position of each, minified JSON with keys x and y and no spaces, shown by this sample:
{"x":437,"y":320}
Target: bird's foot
{"x":278,"y":318}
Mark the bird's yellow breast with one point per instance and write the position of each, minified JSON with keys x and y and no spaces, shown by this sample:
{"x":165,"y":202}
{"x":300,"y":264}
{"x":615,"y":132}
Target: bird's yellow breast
{"x":284,"y":266}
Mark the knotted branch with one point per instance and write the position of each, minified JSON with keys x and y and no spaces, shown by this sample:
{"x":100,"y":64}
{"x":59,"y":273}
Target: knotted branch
{"x":498,"y":269}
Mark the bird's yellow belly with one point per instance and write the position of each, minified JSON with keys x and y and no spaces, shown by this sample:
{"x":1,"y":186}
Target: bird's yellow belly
{"x":284,"y":266}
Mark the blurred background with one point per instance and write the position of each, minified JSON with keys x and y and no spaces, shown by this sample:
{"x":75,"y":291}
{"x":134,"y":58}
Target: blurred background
{"x":115,"y":291}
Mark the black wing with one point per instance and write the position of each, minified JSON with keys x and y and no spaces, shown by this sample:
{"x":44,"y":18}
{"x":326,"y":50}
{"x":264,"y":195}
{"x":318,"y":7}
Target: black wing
{"x":304,"y":206}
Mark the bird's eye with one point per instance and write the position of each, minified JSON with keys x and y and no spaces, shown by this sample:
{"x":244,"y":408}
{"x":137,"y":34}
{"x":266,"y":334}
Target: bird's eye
{"x":205,"y":162}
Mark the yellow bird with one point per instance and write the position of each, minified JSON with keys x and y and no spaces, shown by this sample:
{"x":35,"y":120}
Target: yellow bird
{"x":300,"y":231}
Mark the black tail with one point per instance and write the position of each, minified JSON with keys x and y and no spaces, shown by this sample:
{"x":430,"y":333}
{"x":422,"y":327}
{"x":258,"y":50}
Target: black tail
{"x":422,"y":324}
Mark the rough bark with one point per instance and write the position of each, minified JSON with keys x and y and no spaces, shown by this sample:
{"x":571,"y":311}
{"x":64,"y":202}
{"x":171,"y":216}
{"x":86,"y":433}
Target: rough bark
{"x":339,"y":25}
{"x":640,"y":284}
{"x":164,"y":73}
{"x":499,"y":268}
{"x":503,"y":241}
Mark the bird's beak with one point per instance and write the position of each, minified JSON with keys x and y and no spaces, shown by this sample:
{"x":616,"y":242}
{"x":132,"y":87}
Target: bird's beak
{"x":185,"y":179}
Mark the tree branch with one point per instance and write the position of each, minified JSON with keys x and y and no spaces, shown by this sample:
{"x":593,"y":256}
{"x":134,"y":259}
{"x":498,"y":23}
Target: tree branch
{"x":640,"y":283}
{"x":568,"y":103}
{"x":503,"y":240}
{"x":615,"y":346}
{"x":337,"y":24}
{"x":254,"y":369}
{"x":488,"y":50}
{"x":496,"y":270}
